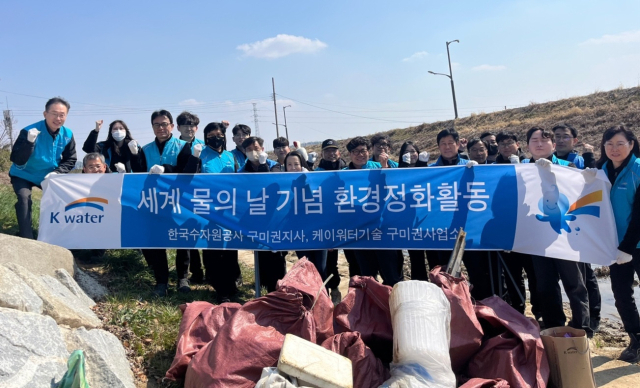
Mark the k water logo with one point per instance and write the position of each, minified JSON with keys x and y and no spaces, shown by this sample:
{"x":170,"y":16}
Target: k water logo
{"x":82,"y":218}
{"x":557,"y":212}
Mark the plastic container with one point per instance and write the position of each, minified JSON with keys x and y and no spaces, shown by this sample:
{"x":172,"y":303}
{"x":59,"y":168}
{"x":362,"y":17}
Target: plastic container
{"x":420,"y":315}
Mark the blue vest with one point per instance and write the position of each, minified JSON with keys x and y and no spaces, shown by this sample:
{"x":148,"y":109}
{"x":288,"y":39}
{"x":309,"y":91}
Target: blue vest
{"x":461,"y":162}
{"x":576,"y":159}
{"x":197,"y":141}
{"x":623,"y":192}
{"x":391,"y":163}
{"x":554,"y":160}
{"x":213,"y":162}
{"x":371,"y":165}
{"x":240,"y":157}
{"x":172,"y":148}
{"x":46,"y":156}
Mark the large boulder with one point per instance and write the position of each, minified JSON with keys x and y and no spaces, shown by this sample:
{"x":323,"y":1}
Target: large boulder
{"x":32,"y":350}
{"x":94,"y":290}
{"x":106,"y":361}
{"x":15,"y":294}
{"x":67,"y":280}
{"x":58,"y":302}
{"x":41,"y":258}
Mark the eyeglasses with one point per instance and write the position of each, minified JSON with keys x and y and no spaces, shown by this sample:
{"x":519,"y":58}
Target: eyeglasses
{"x":360,"y":152}
{"x":609,"y":145}
{"x":383,"y":145}
{"x":58,"y":115}
{"x":161,"y":125}
{"x":505,"y":144}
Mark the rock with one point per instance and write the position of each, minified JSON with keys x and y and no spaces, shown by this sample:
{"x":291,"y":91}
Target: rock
{"x":94,"y":290}
{"x":41,"y":258}
{"x":32,"y":350}
{"x":57,"y":301}
{"x":15,"y":294}
{"x":106,"y":360}
{"x":63,"y":277}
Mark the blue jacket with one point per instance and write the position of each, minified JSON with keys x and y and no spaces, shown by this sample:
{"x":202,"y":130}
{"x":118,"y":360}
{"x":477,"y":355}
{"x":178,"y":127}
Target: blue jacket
{"x":371,"y":165}
{"x":241,"y":158}
{"x":461,"y":162}
{"x":213,"y":162}
{"x":270,"y":163}
{"x":586,"y":160}
{"x":554,"y":160}
{"x":46,"y":155}
{"x":623,"y":192}
{"x":391,"y":163}
{"x":197,"y":141}
{"x":169,"y":155}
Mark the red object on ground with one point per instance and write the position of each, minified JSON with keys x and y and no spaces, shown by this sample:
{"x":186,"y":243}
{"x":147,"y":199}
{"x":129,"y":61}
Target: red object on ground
{"x":485,"y":383}
{"x":466,"y":331}
{"x":200,"y":324}
{"x":252,"y":338}
{"x":368,"y":370}
{"x":365,"y":309}
{"x":512,"y":349}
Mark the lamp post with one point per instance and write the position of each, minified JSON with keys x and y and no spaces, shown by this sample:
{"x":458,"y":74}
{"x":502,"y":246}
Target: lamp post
{"x":450,"y":75}
{"x":284,"y":112}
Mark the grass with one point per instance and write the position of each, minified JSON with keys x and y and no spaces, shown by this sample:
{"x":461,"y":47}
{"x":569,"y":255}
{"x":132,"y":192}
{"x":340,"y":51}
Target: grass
{"x":8,"y":221}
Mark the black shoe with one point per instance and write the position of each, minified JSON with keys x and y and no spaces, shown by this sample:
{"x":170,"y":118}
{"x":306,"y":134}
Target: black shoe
{"x":594,"y":324}
{"x":632,"y":353}
{"x":197,"y":278}
{"x":183,"y":286}
{"x":161,"y":290}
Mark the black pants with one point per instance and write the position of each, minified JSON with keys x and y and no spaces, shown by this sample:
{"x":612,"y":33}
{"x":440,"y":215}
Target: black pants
{"x":273,"y":267}
{"x":482,"y":267}
{"x":418,"y":265}
{"x":332,"y":268}
{"x":354,"y":267}
{"x":548,"y":272}
{"x":222,"y":270}
{"x":384,"y":261}
{"x":22,"y":188}
{"x":595,"y":301}
{"x":515,"y":263}
{"x":622,"y":287}
{"x":157,"y":260}
{"x":319,"y":260}
{"x":193,"y":255}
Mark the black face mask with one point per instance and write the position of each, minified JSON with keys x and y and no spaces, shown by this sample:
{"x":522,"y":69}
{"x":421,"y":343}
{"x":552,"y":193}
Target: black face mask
{"x":493,"y":149}
{"x":215,"y":142}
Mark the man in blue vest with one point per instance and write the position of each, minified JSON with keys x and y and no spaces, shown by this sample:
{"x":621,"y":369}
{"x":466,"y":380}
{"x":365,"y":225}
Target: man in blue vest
{"x":240,"y":132}
{"x":42,"y":149}
{"x":381,"y":146}
{"x":165,"y":154}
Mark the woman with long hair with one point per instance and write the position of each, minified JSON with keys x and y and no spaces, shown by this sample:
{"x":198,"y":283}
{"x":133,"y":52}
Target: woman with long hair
{"x":619,"y":152}
{"x":116,"y":149}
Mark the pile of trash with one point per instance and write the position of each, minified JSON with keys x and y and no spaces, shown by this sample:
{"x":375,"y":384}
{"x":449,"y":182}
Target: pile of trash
{"x":418,"y":334}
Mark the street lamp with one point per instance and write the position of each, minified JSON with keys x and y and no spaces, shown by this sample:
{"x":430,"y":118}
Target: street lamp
{"x":450,"y":75}
{"x":285,"y":119}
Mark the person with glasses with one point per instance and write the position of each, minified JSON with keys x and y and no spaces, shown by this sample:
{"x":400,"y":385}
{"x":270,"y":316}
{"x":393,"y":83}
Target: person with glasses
{"x":115,"y":149}
{"x":94,"y":163}
{"x":240,"y":133}
{"x":372,"y":262}
{"x":620,"y":160}
{"x":281,"y":149}
{"x":508,"y":146}
{"x":165,"y":154}
{"x":381,"y":147}
{"x":449,"y":143}
{"x":492,"y":151}
{"x":479,"y":151}
{"x":188,"y":126}
{"x":566,"y":140}
{"x":41,"y":150}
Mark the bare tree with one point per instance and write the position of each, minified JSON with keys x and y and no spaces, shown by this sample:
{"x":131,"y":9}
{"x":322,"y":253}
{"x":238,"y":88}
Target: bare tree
{"x":7,"y":130}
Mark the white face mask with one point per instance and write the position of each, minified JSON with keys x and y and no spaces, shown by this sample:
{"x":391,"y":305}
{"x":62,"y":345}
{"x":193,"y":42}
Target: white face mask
{"x":118,"y":135}
{"x":253,"y":156}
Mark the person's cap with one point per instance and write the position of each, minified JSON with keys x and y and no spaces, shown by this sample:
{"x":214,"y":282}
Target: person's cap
{"x":329,"y":143}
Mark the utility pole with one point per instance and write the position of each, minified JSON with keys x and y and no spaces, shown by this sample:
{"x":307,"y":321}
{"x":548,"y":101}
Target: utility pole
{"x":450,"y":75}
{"x":8,"y":127}
{"x":255,"y":119}
{"x":275,"y":108}
{"x":284,"y":112}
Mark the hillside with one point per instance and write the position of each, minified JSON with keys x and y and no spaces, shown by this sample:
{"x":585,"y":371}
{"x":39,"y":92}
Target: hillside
{"x":590,"y":115}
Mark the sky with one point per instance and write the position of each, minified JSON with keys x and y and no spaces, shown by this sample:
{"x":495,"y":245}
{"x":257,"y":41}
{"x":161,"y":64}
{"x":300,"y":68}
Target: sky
{"x":343,"y":68}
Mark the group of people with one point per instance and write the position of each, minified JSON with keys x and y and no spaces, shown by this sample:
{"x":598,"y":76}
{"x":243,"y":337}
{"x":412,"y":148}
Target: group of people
{"x":48,"y":147}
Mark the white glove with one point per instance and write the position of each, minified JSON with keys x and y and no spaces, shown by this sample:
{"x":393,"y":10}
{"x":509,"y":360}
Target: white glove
{"x":262,"y":158}
{"x":424,"y":156}
{"x":472,"y":163}
{"x":32,"y":134}
{"x":49,"y":175}
{"x":156,"y":169}
{"x":514,"y":159}
{"x":133,"y":147}
{"x":623,"y":258}
{"x":589,"y":174}
{"x":544,"y":163}
{"x":312,"y":157}
{"x":197,"y":150}
{"x":120,"y":167}
{"x":406,"y":158}
{"x":302,"y":151}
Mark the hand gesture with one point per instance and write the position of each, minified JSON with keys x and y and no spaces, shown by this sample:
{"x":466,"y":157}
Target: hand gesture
{"x":98,"y":125}
{"x":120,"y":168}
{"x":133,"y":147}
{"x":424,"y":156}
{"x":262,"y":158}
{"x":156,"y":169}
{"x":197,"y":150}
{"x":32,"y":134}
{"x":587,"y":147}
{"x":472,"y":163}
{"x":406,"y":158}
{"x":384,"y":159}
{"x":463,"y":143}
{"x":544,"y":163}
{"x":313,"y":156}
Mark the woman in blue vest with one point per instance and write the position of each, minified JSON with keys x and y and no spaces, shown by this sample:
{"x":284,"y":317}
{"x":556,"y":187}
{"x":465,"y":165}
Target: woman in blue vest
{"x":619,"y":159}
{"x":115,"y":149}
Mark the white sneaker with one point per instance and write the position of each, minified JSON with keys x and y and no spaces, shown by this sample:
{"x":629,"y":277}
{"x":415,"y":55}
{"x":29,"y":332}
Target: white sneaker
{"x":336,"y":296}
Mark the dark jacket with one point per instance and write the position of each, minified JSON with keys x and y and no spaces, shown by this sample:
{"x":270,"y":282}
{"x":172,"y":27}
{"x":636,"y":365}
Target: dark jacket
{"x":112,"y":155}
{"x":325,"y":165}
{"x":501,"y":160}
